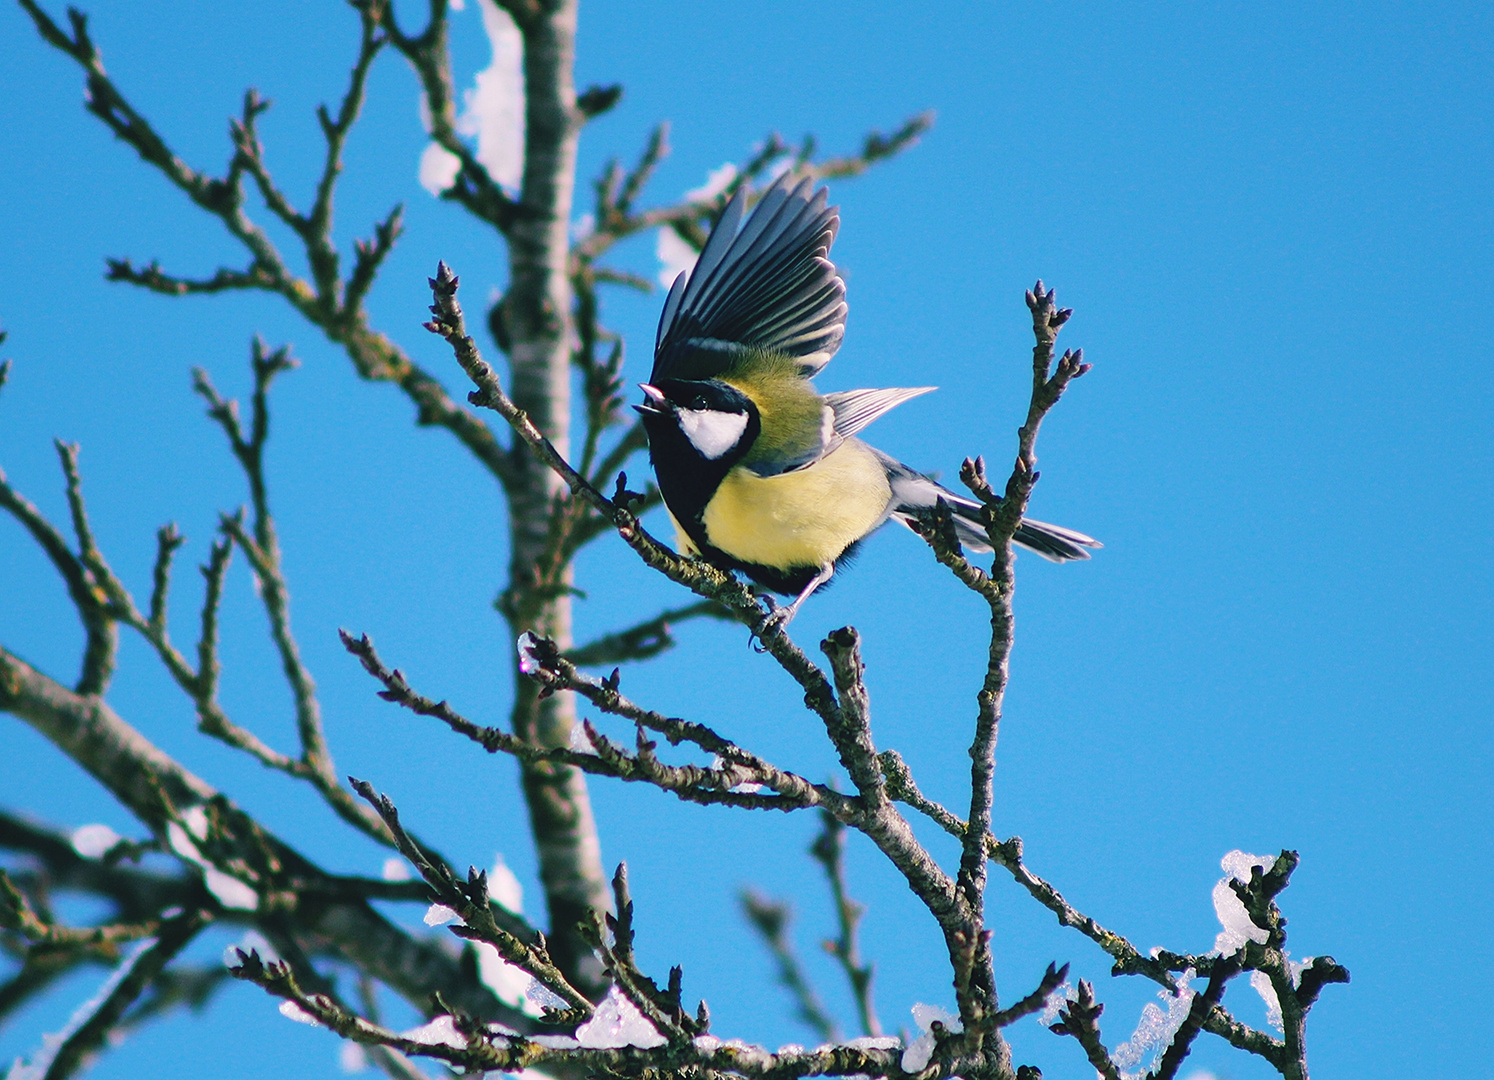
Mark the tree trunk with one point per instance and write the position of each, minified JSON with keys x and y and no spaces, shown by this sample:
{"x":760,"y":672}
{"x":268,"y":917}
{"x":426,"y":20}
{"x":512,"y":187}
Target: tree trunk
{"x":537,"y":315}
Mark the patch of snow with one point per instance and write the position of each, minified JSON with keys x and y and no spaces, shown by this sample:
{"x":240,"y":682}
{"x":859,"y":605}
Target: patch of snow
{"x":439,"y":915}
{"x":717,"y":181}
{"x":1238,"y":929}
{"x":94,"y":841}
{"x":504,"y":887}
{"x":917,"y":1055}
{"x":291,"y":1011}
{"x":352,"y":1058}
{"x":230,"y":891}
{"x":1136,"y":1056}
{"x":542,"y":996}
{"x":438,"y":168}
{"x":1055,"y":1003}
{"x":441,"y":1031}
{"x":509,"y":982}
{"x":555,"y":1042}
{"x":875,"y":1042}
{"x":195,"y":818}
{"x":617,"y":1023}
{"x":1260,"y":982}
{"x":494,"y":110}
{"x":580,"y":741}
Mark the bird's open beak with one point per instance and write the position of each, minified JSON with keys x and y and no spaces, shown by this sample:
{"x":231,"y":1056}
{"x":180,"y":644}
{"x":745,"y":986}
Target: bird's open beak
{"x":656,"y":403}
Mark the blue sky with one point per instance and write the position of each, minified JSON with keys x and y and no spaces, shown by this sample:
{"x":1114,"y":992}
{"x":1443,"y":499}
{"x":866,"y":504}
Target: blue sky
{"x":1274,"y":224}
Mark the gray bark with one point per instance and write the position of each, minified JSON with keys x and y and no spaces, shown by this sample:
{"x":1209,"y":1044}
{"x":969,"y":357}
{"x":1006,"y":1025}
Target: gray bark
{"x":537,"y":313}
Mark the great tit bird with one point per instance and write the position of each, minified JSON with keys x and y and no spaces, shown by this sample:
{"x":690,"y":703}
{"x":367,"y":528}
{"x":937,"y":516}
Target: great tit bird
{"x":759,"y":471}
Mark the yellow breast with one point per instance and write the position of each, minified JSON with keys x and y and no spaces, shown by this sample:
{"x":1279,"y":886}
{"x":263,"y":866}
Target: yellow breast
{"x":802,"y":518}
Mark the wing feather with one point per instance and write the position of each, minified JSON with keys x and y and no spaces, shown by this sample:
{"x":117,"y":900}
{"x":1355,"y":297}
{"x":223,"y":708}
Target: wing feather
{"x":767,"y":285}
{"x":854,"y":409}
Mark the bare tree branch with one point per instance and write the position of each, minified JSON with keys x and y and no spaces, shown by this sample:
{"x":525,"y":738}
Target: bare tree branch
{"x":1035,"y":1001}
{"x":1003,"y":517}
{"x":156,"y":790}
{"x":337,"y":313}
{"x":86,"y":594}
{"x":1081,"y":1020}
{"x":17,"y":914}
{"x":487,"y":1051}
{"x":262,"y":549}
{"x":111,"y":602}
{"x":617,"y":189}
{"x":471,"y":902}
{"x":174,"y":935}
{"x":691,"y":783}
{"x":155,"y":279}
{"x":877,"y":147}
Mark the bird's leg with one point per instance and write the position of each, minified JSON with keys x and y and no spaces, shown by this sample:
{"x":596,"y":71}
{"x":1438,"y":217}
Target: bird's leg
{"x":779,"y":618}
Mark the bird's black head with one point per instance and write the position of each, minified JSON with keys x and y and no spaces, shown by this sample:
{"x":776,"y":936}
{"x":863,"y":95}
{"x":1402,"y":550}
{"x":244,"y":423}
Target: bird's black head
{"x":715,"y":420}
{"x":697,"y":430}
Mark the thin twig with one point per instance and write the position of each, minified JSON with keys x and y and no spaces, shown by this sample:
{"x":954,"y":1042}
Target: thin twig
{"x":662,"y":1008}
{"x":175,"y":935}
{"x":645,"y":639}
{"x":1198,"y":1012}
{"x":471,"y":902}
{"x":88,"y":598}
{"x":336,"y":311}
{"x":617,"y":191}
{"x":17,"y":914}
{"x":1080,"y":1018}
{"x":771,"y":920}
{"x":828,"y":850}
{"x":1034,"y":1002}
{"x":692,"y":783}
{"x":975,"y":989}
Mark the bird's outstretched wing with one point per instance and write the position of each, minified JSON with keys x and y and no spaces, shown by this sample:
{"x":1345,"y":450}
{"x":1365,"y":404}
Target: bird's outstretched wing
{"x":854,"y":409}
{"x":769,"y":288}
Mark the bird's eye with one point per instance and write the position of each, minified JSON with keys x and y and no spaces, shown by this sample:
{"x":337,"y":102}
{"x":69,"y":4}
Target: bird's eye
{"x":698,"y":403}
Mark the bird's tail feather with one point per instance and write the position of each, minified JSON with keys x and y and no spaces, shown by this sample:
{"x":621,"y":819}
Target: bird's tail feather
{"x":1052,"y":542}
{"x":913,"y":492}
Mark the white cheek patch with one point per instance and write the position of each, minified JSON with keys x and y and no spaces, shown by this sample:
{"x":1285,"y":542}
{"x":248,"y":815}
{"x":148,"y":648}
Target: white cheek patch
{"x":712,"y":433}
